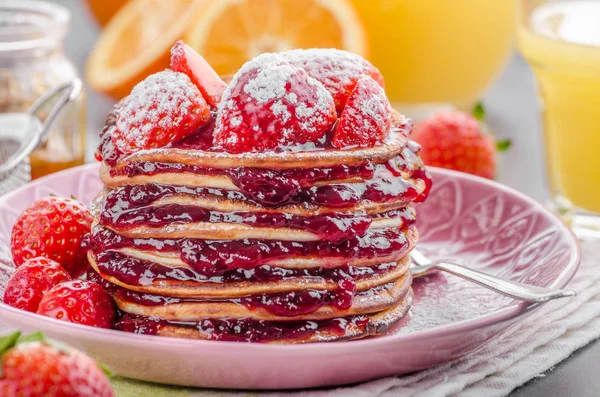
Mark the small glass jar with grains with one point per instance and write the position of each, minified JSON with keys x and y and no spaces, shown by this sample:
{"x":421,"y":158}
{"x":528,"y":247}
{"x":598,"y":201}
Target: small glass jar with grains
{"x":31,"y":63}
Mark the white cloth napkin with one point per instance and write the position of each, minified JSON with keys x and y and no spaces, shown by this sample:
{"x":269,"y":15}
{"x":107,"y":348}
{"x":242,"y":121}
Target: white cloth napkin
{"x":523,"y":352}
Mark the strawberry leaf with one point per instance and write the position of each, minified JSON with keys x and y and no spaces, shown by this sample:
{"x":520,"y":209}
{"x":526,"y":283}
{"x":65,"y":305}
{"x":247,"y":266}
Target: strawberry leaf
{"x":479,"y":111}
{"x":9,"y":341}
{"x":503,"y":145}
{"x":106,"y":370}
{"x":33,"y":337}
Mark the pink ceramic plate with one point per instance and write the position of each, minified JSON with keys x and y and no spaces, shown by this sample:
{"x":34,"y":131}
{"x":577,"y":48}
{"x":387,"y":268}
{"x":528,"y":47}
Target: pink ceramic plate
{"x":468,"y":219}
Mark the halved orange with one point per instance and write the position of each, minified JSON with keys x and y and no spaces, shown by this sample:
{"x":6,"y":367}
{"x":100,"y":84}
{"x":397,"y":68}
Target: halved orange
{"x":136,"y":43}
{"x":230,"y":32}
{"x":103,"y":10}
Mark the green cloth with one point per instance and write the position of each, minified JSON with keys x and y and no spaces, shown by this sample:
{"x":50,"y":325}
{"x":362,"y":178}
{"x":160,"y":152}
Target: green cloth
{"x":125,"y":387}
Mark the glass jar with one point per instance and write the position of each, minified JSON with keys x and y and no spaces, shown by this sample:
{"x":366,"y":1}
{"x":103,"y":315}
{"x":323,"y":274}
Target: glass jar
{"x":32,"y":62}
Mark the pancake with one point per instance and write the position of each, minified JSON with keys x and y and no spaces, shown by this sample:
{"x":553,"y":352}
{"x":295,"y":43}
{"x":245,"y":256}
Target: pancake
{"x":270,"y":220}
{"x":220,"y":289}
{"x":391,"y":147}
{"x":199,"y":244}
{"x":367,"y":325}
{"x":365,"y":302}
{"x":378,"y":246}
{"x":237,"y":231}
{"x":223,"y":204}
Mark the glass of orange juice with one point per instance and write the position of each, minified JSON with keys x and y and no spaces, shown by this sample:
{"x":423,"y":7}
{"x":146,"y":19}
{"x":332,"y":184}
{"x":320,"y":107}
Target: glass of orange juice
{"x":561,"y":41}
{"x":435,"y":52}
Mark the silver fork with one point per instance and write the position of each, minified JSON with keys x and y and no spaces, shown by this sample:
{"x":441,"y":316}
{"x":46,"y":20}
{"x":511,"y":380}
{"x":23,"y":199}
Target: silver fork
{"x":528,"y":293}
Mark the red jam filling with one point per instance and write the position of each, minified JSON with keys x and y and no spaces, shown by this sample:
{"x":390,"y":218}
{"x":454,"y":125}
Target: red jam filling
{"x":246,"y":330}
{"x":293,"y":303}
{"x":215,"y":257}
{"x":334,"y":227}
{"x":129,"y":206}
{"x":382,"y":182}
{"x":140,"y":272}
{"x":289,"y":304}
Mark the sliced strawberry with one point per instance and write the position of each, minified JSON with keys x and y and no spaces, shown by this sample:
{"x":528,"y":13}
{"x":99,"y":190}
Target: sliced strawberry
{"x":270,"y":104}
{"x":366,"y":117}
{"x":185,"y":60}
{"x":163,"y":109}
{"x":81,"y":302}
{"x":27,"y":285}
{"x":337,"y":70}
{"x":106,"y":150}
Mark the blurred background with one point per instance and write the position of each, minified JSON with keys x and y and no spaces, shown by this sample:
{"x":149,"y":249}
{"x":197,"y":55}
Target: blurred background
{"x":432,"y":53}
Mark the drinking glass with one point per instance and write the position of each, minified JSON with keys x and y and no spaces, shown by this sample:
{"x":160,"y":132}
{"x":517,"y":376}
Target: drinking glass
{"x":435,"y":53}
{"x":561,"y":41}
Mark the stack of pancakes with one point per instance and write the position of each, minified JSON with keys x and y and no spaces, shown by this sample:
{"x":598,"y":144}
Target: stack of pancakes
{"x":212,"y":245}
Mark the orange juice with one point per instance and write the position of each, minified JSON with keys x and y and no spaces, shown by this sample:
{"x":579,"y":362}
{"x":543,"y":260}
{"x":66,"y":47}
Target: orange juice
{"x":561,"y":41}
{"x":444,"y":51}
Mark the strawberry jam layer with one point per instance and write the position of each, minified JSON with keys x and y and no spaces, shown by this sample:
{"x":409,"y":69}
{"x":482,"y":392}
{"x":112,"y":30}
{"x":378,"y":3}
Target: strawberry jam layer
{"x":245,"y":330}
{"x":381,"y":182}
{"x":215,"y":257}
{"x":334,"y":227}
{"x":139,"y":272}
{"x":289,"y":304}
{"x":130,"y":206}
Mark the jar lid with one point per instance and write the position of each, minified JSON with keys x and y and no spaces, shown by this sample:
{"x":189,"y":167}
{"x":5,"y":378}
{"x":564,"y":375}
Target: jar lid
{"x":31,"y":24}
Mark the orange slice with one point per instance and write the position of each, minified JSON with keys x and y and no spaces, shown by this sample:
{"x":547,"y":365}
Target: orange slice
{"x":136,"y":43}
{"x":230,"y":32}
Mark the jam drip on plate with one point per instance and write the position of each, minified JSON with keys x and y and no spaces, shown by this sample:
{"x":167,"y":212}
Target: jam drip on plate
{"x":215,"y":257}
{"x":139,"y":272}
{"x":246,"y":330}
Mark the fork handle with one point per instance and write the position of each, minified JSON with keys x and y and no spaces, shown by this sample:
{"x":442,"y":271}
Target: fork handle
{"x":522,"y":292}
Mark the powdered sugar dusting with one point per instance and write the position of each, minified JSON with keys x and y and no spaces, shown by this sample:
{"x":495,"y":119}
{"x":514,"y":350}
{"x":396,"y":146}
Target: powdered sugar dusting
{"x":279,"y":109}
{"x":236,"y":121}
{"x":177,"y":50}
{"x":337,"y":70}
{"x":376,"y":108}
{"x":366,"y":119}
{"x":270,"y":83}
{"x":292,"y":98}
{"x":279,"y":104}
{"x":164,"y":101}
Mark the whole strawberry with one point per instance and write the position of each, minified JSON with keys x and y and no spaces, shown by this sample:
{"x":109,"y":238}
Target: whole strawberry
{"x":337,"y":70}
{"x":270,"y":104}
{"x":81,"y":302}
{"x":30,"y":281}
{"x":455,"y":140}
{"x":34,"y":367}
{"x":53,"y":227}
